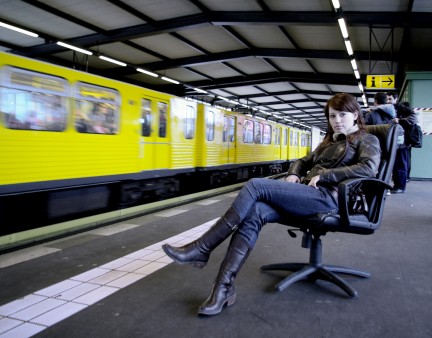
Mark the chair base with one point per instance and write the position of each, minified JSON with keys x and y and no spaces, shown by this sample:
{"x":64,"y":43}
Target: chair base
{"x":315,"y":269}
{"x":313,"y":272}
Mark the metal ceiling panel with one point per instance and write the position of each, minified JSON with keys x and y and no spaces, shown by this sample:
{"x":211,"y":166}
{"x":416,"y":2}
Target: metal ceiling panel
{"x":167,"y":45}
{"x":332,"y":66}
{"x":239,"y":91}
{"x":215,"y":70}
{"x":264,"y":36}
{"x":251,"y":65}
{"x":220,"y":40}
{"x":376,"y":6}
{"x":292,"y":64}
{"x":163,"y":9}
{"x":100,"y":13}
{"x":181,"y":73}
{"x":288,"y":55}
{"x":422,"y":6}
{"x":317,"y":37}
{"x":229,"y":5}
{"x":298,"y":6}
{"x":39,"y":20}
{"x":128,"y":54}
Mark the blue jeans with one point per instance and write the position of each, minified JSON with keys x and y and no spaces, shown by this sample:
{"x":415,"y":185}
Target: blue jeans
{"x":400,"y":168}
{"x":264,"y":200}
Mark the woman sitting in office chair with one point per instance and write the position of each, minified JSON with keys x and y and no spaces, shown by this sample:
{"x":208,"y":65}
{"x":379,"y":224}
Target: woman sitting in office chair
{"x":347,"y":151}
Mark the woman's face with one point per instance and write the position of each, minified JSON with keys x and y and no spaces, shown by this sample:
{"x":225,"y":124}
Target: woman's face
{"x":341,"y":121}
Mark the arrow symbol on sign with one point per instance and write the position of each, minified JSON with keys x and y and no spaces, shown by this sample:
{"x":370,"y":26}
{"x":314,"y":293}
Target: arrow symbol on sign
{"x":390,"y":81}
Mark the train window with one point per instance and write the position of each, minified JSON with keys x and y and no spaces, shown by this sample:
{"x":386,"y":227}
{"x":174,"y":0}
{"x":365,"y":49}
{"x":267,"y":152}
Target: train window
{"x":231,"y":129}
{"x":189,"y":123}
{"x":248,"y":131}
{"x":210,"y":125}
{"x":225,"y":129}
{"x":295,"y":138}
{"x":33,"y":101}
{"x":146,"y":117}
{"x":267,"y":134}
{"x":258,"y":132}
{"x":96,"y":109}
{"x":285,"y":137}
{"x":291,"y":138}
{"x":163,"y":108}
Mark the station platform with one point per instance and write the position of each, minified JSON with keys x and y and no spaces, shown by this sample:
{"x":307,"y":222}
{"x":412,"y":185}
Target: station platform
{"x":115,"y":281}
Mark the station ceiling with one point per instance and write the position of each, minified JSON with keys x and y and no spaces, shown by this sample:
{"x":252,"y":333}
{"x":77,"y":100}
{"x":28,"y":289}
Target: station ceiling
{"x":277,"y":59}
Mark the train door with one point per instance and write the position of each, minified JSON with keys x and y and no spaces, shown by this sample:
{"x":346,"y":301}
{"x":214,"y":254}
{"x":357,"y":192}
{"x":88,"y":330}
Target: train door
{"x":293,"y":144}
{"x":229,"y":139}
{"x":277,"y":143}
{"x":285,"y":147}
{"x":153,"y":140}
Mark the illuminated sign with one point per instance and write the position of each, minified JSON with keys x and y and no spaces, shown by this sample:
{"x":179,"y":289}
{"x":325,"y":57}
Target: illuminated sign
{"x":380,"y":81}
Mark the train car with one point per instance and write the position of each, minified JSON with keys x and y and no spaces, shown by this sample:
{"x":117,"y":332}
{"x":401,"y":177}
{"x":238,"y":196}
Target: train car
{"x":234,"y":147}
{"x":74,"y":144}
{"x":257,"y":144}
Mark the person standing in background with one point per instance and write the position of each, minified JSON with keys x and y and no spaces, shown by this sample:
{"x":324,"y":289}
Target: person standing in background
{"x":381,"y":112}
{"x":406,"y":117}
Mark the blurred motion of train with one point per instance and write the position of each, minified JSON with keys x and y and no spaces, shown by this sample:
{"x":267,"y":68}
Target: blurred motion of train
{"x":73,"y":143}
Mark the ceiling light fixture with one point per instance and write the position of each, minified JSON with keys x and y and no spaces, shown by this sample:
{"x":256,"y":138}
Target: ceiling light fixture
{"x":336,"y":4}
{"x":74,"y":48}
{"x":223,"y":98}
{"x":20,"y":30}
{"x":147,"y":72}
{"x":349,"y":47}
{"x":357,"y":74}
{"x":169,"y":80}
{"x":112,"y":61}
{"x":200,"y":91}
{"x":343,"y":28}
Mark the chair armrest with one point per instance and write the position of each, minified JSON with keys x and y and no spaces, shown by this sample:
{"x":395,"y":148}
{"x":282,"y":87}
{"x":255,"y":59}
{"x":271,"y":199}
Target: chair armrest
{"x":372,"y":187}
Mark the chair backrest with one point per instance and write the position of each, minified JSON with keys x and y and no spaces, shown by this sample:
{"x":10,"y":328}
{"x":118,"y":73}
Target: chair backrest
{"x":389,"y":137}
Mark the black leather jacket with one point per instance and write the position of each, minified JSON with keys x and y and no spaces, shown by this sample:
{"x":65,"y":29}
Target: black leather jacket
{"x":361,"y":159}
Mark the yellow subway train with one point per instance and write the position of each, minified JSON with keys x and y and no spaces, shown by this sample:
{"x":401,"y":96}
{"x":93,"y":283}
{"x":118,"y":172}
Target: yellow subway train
{"x":74,"y":144}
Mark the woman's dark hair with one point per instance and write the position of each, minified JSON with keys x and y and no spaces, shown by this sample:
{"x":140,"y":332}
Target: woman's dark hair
{"x":343,"y":102}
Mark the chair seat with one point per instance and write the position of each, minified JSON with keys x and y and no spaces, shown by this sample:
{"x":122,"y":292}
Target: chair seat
{"x":325,"y":222}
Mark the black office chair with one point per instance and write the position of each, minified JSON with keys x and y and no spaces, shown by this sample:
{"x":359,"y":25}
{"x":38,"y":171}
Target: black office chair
{"x":313,"y":228}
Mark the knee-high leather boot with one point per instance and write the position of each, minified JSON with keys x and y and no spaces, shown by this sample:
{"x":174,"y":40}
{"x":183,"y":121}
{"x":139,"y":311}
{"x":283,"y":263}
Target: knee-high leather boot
{"x":223,"y":291}
{"x":198,"y":252}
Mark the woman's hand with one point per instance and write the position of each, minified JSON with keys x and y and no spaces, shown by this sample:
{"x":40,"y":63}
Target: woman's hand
{"x":313,"y":182}
{"x":292,"y":179}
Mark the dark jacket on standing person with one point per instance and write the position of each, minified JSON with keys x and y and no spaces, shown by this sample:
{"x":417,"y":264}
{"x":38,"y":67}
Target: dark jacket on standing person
{"x":407,"y":117}
{"x":381,"y":114}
